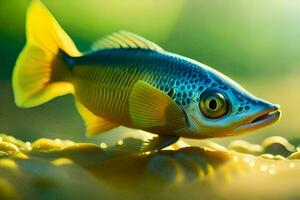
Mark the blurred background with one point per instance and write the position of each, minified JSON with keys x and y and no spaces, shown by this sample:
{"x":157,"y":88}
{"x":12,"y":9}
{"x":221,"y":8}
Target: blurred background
{"x":256,"y":43}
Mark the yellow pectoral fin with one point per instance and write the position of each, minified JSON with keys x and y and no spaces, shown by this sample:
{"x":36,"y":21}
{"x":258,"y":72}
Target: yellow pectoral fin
{"x":94,"y":124}
{"x":151,"y":109}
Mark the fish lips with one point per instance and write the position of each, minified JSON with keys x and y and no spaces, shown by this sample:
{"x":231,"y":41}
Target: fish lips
{"x":259,"y":120}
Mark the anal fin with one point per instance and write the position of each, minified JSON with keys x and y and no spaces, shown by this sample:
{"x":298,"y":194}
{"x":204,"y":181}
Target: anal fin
{"x":158,"y":143}
{"x":94,"y":124}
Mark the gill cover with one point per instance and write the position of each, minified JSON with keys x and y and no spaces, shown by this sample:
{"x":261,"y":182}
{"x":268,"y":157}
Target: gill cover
{"x":39,"y":75}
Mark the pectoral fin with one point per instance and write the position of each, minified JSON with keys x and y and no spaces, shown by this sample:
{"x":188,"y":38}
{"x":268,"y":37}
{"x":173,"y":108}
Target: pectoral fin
{"x":153,"y":110}
{"x":94,"y":124}
{"x":158,"y":143}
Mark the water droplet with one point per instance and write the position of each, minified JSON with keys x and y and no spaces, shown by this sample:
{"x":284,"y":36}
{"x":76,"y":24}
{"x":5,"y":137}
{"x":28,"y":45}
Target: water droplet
{"x":272,"y":171}
{"x":291,"y":165}
{"x":103,"y":145}
{"x":247,"y":159}
{"x":235,"y":158}
{"x":28,"y":146}
{"x":251,"y":164}
{"x":120,"y":142}
{"x":263,"y":168}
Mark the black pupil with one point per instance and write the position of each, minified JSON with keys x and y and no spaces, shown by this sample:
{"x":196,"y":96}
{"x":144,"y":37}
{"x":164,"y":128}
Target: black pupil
{"x":213,"y":104}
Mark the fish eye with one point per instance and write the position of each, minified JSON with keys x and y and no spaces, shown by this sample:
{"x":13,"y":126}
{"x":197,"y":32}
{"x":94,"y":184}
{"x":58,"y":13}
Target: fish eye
{"x":213,"y":104}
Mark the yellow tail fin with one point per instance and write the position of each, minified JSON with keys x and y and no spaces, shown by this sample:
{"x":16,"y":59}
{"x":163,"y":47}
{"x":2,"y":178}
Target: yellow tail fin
{"x":39,"y":74}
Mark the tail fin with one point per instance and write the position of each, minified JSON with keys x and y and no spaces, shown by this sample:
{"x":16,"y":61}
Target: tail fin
{"x":39,"y":74}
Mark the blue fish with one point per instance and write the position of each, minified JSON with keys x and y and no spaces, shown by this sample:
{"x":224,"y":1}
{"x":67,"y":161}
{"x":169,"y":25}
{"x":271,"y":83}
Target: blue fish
{"x":126,"y":80}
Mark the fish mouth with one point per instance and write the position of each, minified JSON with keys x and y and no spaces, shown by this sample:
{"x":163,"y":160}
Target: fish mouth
{"x":261,"y":120}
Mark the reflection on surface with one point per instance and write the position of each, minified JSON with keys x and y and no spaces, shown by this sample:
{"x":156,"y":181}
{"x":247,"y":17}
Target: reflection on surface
{"x":62,"y":168}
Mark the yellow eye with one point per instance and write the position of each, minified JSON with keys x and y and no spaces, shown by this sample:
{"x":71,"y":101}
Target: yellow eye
{"x":213,"y":104}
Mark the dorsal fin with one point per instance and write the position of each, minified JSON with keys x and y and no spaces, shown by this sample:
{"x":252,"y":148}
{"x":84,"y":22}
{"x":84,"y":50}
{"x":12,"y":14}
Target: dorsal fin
{"x":125,"y":39}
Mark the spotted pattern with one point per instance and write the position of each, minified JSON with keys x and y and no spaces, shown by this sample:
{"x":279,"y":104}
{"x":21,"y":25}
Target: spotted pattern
{"x":244,"y":103}
{"x":184,"y":90}
{"x":189,"y":88}
{"x":182,"y":79}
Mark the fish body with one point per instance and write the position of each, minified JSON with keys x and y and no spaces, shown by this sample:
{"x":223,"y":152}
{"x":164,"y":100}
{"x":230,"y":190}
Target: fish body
{"x":130,"y":81}
{"x":116,"y":71}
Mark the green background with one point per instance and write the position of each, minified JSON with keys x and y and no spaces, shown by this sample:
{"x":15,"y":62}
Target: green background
{"x":256,"y":43}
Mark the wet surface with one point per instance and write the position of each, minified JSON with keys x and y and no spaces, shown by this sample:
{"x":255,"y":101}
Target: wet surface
{"x":63,"y":169}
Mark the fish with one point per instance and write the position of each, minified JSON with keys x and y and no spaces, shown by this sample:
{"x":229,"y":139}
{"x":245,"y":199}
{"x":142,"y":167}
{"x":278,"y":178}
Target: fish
{"x":127,"y":80}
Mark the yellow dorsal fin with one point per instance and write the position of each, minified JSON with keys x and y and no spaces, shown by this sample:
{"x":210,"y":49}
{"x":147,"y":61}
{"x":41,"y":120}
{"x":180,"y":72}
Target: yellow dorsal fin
{"x":125,"y":39}
{"x":153,"y":110}
{"x":94,"y":124}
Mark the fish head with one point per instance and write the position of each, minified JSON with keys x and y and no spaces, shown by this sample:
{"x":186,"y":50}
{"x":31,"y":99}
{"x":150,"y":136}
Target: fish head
{"x":224,"y":108}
